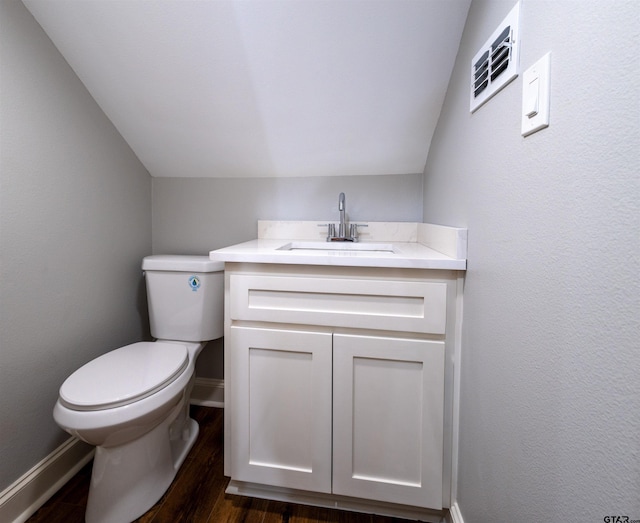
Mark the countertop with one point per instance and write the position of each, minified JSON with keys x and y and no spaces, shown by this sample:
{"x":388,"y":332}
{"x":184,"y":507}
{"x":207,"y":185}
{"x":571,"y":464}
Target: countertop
{"x":399,"y":245}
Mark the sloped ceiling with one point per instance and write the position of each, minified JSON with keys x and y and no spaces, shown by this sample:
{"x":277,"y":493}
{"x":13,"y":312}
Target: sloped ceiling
{"x":252,"y":88}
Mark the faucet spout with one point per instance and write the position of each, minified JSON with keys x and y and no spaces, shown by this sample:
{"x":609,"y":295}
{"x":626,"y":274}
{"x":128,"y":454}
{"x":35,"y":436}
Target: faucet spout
{"x":342,"y":207}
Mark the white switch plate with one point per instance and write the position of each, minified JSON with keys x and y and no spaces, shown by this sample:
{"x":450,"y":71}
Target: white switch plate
{"x":535,"y":96}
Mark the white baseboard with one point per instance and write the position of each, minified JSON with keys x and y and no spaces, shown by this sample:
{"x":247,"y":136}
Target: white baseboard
{"x":455,"y":514}
{"x":333,"y":501}
{"x":29,"y":492}
{"x":208,"y":392}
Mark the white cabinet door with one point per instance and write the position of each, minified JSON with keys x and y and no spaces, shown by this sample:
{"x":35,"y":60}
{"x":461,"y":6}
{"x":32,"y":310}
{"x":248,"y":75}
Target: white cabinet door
{"x":281,"y":419}
{"x":388,"y":400}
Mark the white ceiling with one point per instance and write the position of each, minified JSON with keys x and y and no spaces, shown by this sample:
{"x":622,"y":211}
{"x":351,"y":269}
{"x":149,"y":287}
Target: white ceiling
{"x":252,"y":88}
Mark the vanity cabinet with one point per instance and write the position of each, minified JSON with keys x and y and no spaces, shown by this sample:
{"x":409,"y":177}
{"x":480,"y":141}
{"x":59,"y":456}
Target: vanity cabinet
{"x":338,"y":382}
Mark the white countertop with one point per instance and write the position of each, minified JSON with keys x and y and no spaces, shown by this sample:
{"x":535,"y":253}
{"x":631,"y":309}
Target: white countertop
{"x":414,"y":248}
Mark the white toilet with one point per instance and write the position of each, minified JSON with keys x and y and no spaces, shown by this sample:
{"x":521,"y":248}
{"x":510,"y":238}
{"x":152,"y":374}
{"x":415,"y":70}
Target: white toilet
{"x":133,"y":402}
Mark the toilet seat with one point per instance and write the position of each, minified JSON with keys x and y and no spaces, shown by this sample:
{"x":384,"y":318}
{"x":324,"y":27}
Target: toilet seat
{"x":124,"y":375}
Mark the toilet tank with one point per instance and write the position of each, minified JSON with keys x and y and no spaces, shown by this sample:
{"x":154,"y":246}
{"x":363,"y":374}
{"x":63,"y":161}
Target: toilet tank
{"x":186,"y":297}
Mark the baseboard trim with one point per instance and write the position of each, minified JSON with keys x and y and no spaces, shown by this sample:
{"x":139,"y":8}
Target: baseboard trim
{"x":455,"y":514}
{"x":208,"y":392}
{"x":29,"y":492}
{"x":334,"y":501}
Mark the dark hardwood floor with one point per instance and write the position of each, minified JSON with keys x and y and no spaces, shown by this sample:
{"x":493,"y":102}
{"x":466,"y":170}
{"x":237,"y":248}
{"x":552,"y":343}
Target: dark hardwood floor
{"x":197,"y":494}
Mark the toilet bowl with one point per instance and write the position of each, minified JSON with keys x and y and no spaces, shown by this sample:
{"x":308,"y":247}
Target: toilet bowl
{"x":133,"y":403}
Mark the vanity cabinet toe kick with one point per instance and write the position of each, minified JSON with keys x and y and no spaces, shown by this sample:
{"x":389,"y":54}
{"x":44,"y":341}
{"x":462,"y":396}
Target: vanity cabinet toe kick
{"x":339,"y":386}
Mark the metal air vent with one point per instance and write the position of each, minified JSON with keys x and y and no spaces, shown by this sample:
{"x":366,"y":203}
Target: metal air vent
{"x":497,"y":61}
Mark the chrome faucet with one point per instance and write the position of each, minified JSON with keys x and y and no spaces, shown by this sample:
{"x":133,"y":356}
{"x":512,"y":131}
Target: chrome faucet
{"x":346,"y":232}
{"x":342,"y":207}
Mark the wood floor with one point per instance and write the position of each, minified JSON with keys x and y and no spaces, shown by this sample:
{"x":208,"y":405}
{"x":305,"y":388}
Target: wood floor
{"x":197,"y":494}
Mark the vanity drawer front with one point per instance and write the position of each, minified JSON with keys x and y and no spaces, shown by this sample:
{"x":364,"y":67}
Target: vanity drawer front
{"x":407,"y":306}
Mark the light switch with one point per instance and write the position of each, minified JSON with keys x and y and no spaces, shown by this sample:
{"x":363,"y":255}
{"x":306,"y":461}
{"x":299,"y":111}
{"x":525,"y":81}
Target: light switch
{"x":535,"y":96}
{"x":531,"y":99}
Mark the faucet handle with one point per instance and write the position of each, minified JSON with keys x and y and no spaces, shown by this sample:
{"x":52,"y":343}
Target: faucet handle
{"x":353,"y":230}
{"x":331,"y":230}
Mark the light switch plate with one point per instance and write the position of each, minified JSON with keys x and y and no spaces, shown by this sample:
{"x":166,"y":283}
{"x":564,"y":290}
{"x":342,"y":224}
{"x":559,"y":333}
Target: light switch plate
{"x":535,"y":96}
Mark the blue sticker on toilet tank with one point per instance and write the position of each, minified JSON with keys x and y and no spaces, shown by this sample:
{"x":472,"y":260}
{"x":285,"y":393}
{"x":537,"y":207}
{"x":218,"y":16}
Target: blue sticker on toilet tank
{"x":194,"y":283}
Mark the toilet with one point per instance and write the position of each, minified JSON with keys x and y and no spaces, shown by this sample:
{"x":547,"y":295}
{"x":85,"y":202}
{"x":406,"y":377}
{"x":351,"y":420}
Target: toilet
{"x":133,"y":403}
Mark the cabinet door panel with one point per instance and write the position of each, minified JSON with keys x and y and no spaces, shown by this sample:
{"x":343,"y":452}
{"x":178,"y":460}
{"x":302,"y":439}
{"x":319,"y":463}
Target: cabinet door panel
{"x":281,"y":422}
{"x":388,"y":419}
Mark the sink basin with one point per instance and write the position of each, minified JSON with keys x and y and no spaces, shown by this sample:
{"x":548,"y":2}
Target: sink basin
{"x":337,"y":246}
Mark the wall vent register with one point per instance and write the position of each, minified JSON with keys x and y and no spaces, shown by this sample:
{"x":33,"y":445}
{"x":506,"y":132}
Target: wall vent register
{"x":497,"y":62}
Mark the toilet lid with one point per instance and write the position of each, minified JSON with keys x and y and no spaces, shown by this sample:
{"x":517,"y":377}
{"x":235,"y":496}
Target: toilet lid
{"x":124,"y":375}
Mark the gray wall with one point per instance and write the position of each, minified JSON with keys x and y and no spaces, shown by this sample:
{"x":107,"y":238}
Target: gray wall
{"x":550,"y":408}
{"x":75,"y":220}
{"x":197,"y":215}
